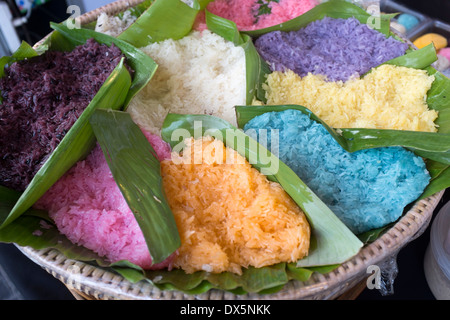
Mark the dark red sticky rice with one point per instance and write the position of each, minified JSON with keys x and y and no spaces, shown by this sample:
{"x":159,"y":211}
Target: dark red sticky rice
{"x":42,"y":99}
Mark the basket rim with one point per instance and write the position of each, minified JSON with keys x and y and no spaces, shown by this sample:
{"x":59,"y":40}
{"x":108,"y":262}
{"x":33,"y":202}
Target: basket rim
{"x":102,"y":284}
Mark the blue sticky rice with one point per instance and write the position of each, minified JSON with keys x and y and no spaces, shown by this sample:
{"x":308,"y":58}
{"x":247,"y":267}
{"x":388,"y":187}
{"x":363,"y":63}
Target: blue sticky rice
{"x":367,"y":189}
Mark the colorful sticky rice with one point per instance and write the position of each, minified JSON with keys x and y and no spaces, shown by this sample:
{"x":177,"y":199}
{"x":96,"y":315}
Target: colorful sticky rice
{"x":229,"y":215}
{"x":88,"y":207}
{"x":366,"y":190}
{"x":256,"y":14}
{"x":199,"y":74}
{"x":389,"y":97}
{"x":336,"y":48}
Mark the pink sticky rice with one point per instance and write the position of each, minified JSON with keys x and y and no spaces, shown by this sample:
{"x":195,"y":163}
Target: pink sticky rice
{"x":89,"y":209}
{"x":243,"y":12}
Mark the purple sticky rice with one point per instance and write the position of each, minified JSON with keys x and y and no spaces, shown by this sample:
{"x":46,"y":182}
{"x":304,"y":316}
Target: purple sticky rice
{"x":336,"y":48}
{"x":42,"y":99}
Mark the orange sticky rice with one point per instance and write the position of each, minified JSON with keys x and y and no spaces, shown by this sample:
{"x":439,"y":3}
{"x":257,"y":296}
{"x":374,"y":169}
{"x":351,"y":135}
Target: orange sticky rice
{"x":229,"y":215}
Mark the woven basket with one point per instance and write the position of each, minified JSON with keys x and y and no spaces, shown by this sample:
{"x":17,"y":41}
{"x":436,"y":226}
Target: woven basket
{"x":92,"y":283}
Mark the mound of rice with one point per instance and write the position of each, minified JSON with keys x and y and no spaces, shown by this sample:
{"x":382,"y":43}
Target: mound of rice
{"x":366,"y":190}
{"x":389,"y":97}
{"x":336,"y":48}
{"x":199,"y":74}
{"x":229,"y":215}
{"x":88,"y":207}
{"x":253,"y":14}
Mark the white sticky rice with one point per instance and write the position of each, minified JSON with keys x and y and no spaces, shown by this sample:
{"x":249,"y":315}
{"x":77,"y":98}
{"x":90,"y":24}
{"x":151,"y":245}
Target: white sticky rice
{"x":199,"y":74}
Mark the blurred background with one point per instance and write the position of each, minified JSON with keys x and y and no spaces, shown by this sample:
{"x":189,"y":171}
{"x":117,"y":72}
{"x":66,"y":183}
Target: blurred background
{"x":28,"y":20}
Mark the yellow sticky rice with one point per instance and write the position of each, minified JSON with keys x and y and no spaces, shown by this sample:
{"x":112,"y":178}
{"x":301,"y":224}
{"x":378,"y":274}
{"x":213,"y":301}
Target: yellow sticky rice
{"x":390,"y":97}
{"x":228,"y":214}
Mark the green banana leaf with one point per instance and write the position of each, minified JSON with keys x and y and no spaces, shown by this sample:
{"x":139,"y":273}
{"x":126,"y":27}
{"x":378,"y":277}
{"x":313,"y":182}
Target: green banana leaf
{"x":440,"y":178}
{"x":438,"y":98}
{"x":333,"y":9}
{"x":117,"y":90}
{"x":168,"y":19}
{"x":137,"y":172}
{"x":417,"y":59}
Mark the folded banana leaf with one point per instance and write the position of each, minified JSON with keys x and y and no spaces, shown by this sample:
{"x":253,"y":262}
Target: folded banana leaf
{"x":36,"y":230}
{"x":172,"y":19}
{"x":168,"y":19}
{"x":115,"y":93}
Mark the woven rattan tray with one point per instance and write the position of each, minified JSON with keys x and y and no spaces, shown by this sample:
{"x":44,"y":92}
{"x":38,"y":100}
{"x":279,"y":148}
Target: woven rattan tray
{"x":88,"y":282}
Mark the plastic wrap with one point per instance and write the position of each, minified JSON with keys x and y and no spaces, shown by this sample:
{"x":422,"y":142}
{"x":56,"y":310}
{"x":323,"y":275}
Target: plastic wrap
{"x":8,"y":290}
